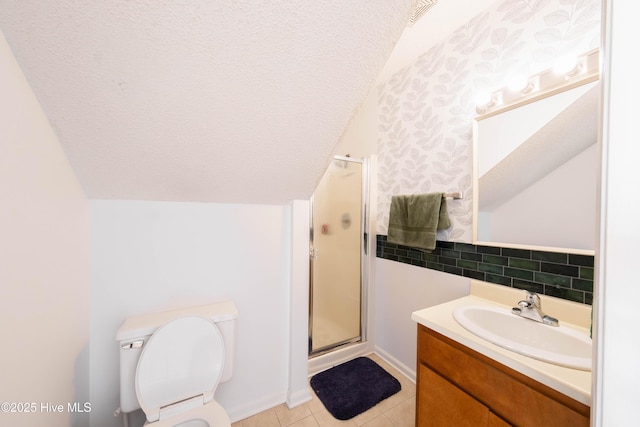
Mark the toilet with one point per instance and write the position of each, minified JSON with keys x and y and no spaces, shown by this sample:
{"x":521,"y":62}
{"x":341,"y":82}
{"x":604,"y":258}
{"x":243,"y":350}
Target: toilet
{"x":171,"y":363}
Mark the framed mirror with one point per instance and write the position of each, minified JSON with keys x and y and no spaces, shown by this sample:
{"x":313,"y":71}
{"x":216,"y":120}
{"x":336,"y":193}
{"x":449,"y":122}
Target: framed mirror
{"x":536,"y":163}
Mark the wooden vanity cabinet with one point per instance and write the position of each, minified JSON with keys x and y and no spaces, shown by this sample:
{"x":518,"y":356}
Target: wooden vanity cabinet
{"x":457,"y":386}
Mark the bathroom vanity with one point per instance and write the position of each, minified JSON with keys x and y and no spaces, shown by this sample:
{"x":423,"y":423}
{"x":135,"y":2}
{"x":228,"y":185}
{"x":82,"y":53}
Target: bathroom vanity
{"x":464,"y":380}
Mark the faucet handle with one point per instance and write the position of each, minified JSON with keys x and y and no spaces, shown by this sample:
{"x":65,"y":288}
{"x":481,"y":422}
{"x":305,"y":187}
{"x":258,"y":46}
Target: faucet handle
{"x":524,"y":304}
{"x":533,"y":299}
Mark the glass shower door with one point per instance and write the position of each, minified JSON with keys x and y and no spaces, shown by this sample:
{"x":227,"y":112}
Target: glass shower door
{"x":336,"y":257}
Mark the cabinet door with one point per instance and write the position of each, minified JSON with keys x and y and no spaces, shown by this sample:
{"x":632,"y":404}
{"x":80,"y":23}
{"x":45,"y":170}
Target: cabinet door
{"x":441,"y":403}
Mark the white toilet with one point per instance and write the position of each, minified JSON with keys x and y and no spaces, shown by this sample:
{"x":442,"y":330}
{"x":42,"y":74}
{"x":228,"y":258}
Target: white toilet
{"x":171,"y":363}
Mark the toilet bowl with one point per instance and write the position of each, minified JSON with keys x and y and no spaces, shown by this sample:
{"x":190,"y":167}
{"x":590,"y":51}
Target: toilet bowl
{"x":177,"y":360}
{"x":210,"y":415}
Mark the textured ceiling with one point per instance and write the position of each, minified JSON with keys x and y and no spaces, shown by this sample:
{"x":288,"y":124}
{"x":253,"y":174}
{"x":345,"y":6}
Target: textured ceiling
{"x":205,"y":101}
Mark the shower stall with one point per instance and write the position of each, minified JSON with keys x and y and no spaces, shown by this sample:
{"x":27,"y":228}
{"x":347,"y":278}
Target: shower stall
{"x":338,"y":257}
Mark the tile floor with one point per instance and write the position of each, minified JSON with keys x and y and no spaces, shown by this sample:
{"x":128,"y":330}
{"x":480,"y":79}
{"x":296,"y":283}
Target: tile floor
{"x":396,"y":411}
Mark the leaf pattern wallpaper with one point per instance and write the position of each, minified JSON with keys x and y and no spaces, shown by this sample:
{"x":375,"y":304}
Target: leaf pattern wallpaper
{"x":425,"y":129}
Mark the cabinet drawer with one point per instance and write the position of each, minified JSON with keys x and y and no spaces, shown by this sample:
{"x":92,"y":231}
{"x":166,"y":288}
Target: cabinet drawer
{"x":440,"y":403}
{"x":510,"y":394}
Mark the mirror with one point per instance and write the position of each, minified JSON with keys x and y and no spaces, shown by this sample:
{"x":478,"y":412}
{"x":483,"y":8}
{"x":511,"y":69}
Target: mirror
{"x":536,"y":170}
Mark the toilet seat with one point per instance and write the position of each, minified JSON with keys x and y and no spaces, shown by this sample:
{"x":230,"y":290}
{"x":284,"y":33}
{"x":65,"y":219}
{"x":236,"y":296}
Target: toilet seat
{"x":178,"y":372}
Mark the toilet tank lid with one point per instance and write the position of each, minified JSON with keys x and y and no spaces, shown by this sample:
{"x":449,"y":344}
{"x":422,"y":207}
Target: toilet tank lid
{"x":145,"y":324}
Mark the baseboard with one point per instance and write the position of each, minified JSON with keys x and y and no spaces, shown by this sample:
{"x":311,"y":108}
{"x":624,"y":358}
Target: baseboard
{"x":249,"y":409}
{"x":404,"y":369}
{"x":299,"y":397}
{"x":336,"y":357}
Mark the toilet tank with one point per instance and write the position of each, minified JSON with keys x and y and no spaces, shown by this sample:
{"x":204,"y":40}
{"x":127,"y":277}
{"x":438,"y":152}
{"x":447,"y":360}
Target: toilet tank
{"x":136,"y":331}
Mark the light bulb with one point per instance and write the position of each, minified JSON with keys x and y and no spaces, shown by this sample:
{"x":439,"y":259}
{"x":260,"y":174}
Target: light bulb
{"x":482,"y":99}
{"x":518,"y":83}
{"x":565,"y":64}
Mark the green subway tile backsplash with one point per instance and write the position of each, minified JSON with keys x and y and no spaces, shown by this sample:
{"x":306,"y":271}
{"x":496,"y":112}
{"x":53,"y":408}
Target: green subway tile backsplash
{"x":495,"y":259}
{"x":558,"y":274}
{"x":517,"y":273}
{"x":525,"y":264}
{"x":586,"y":273}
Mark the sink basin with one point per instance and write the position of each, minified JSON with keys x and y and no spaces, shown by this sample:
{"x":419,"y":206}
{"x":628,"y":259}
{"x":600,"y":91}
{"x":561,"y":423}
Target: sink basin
{"x":558,"y":345}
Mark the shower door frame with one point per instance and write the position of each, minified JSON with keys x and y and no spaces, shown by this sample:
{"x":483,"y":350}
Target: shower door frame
{"x":364,"y":263}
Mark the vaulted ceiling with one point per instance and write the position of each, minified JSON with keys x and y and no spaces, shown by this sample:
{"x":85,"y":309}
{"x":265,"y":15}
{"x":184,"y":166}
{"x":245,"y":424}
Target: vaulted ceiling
{"x":206,"y":101}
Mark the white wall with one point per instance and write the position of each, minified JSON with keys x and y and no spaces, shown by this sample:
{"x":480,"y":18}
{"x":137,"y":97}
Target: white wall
{"x":617,"y":315}
{"x":44,"y":253}
{"x":400,"y":290}
{"x":298,"y":392}
{"x":151,"y":255}
{"x":360,"y":139}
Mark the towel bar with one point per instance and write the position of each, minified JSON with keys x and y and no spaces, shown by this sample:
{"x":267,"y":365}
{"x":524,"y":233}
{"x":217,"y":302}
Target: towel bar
{"x":454,"y":196}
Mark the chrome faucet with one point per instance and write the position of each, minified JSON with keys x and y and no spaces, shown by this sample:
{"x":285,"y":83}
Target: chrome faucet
{"x":531,"y":308}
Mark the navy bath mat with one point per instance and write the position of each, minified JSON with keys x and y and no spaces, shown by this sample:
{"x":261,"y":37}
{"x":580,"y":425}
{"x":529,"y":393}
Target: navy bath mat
{"x":351,"y":388}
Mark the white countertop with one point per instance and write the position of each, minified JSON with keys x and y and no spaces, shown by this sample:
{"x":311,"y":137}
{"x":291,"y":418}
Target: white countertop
{"x":571,"y":382}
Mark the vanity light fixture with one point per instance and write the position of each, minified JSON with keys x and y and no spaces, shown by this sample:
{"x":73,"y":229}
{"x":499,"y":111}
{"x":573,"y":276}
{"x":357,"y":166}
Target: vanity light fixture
{"x":522,"y":85}
{"x":518,"y":83}
{"x":566,"y":65}
{"x":483,"y":98}
{"x":568,"y":74}
{"x":488,"y":100}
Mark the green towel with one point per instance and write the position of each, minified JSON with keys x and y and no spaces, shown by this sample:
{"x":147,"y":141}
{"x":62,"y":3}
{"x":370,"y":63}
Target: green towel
{"x":414,"y":220}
